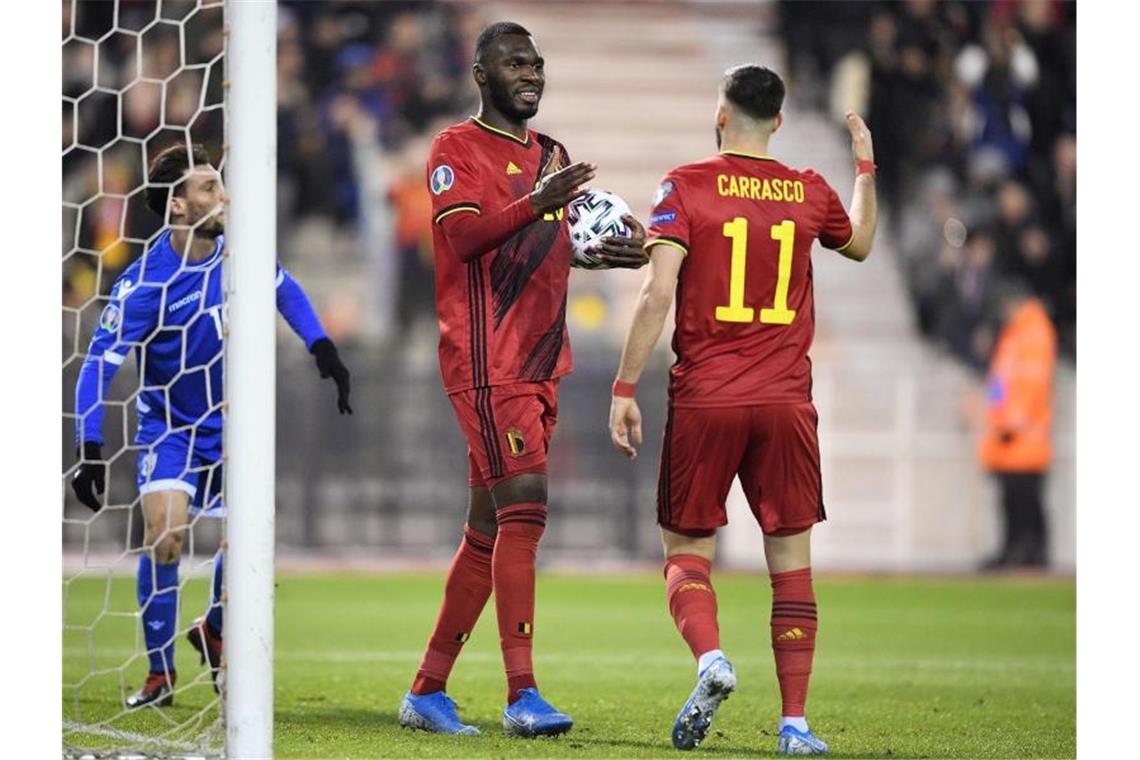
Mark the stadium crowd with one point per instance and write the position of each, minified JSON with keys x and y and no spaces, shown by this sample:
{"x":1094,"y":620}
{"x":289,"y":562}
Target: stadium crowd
{"x":973,"y":107}
{"x":349,"y":73}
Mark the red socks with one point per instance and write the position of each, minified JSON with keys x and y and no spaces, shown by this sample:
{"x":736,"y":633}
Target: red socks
{"x":692,"y":601}
{"x":516,"y":547}
{"x":793,"y":636}
{"x":464,"y":595}
{"x":506,"y":564}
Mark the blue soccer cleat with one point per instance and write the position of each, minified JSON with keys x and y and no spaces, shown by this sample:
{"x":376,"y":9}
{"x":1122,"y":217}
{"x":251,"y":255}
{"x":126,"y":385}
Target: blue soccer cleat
{"x":796,"y":742}
{"x":714,"y":685}
{"x":433,"y":712}
{"x":531,"y":715}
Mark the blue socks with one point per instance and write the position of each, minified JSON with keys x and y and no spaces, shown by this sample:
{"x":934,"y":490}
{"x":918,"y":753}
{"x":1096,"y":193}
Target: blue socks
{"x":158,"y":598}
{"x":214,"y":613}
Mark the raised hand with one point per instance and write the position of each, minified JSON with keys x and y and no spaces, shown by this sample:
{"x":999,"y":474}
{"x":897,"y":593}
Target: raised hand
{"x":624,"y":252}
{"x":559,"y":186}
{"x":861,"y":147}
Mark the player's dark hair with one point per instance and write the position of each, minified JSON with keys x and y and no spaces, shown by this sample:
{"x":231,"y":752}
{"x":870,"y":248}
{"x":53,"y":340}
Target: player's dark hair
{"x":167,"y":168}
{"x":756,"y":90}
{"x":493,"y":33}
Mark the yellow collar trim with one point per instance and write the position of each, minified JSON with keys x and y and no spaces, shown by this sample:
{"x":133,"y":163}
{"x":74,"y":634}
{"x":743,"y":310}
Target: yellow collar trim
{"x":497,"y":131}
{"x":742,"y":154}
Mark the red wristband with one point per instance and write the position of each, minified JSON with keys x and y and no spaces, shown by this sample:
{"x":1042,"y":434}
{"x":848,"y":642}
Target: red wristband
{"x":623,"y":389}
{"x":864,"y":167}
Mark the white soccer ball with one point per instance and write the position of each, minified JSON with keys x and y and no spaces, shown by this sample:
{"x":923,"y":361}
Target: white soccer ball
{"x":593,"y":216}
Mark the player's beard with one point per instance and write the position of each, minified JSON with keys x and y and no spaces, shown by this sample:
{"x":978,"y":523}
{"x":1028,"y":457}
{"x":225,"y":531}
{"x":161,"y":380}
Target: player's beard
{"x":717,"y":130}
{"x":504,"y":102}
{"x":211,"y":227}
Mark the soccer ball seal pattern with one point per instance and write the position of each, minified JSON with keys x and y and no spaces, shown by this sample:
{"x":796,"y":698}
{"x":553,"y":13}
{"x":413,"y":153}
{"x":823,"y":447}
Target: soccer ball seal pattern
{"x":593,"y":216}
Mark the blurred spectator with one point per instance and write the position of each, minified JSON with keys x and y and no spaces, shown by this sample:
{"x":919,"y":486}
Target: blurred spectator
{"x":929,"y":243}
{"x":1016,"y":445}
{"x":966,"y":298}
{"x":974,"y":110}
{"x":348,"y":73}
{"x":411,"y":204}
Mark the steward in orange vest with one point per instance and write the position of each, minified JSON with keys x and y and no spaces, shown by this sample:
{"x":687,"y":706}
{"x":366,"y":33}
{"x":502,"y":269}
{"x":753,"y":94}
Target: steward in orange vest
{"x":1017,"y":444}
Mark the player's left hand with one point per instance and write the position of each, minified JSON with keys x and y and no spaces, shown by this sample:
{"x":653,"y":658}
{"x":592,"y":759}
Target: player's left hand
{"x":330,"y":365}
{"x":625,"y":425}
{"x":624,"y":252}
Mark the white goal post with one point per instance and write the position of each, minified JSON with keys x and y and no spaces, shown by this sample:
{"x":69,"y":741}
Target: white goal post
{"x":139,"y":80}
{"x":251,"y":241}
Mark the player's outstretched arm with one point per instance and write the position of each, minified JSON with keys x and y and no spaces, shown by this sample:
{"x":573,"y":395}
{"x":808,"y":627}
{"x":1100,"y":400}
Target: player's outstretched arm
{"x":864,"y":207}
{"x":653,"y":306}
{"x":294,"y":305}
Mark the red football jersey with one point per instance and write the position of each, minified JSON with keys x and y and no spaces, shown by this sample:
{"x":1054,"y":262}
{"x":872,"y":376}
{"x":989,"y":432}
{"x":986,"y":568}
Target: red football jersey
{"x":745,"y":309}
{"x":502,"y":316}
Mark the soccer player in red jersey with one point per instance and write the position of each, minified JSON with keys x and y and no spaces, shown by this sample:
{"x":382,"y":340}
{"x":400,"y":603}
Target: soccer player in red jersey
{"x":731,"y":236}
{"x":502,"y":257}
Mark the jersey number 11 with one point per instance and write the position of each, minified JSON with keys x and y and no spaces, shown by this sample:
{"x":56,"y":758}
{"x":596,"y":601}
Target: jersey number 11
{"x":736,"y":311}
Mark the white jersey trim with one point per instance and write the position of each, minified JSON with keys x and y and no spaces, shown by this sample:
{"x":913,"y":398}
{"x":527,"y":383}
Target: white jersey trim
{"x":112,"y":358}
{"x":168,"y":484}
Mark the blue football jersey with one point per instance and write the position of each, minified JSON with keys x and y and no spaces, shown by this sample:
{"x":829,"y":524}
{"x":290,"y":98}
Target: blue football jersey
{"x":170,"y":312}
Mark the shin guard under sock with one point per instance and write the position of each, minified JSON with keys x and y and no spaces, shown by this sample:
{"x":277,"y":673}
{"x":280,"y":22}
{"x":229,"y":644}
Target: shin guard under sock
{"x":794,"y":625}
{"x":158,"y":598}
{"x":516,"y":547}
{"x":692,"y":601}
{"x":465,"y":594}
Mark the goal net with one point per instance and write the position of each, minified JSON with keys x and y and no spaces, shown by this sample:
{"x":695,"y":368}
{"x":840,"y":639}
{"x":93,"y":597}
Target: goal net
{"x":138,"y":77}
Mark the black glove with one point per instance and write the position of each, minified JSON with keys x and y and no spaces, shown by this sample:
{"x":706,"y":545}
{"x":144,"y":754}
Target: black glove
{"x":330,"y":365}
{"x":91,"y":477}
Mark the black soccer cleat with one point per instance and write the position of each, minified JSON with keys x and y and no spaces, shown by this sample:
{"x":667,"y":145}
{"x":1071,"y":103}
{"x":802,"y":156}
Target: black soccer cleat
{"x":158,"y":691}
{"x":208,"y":642}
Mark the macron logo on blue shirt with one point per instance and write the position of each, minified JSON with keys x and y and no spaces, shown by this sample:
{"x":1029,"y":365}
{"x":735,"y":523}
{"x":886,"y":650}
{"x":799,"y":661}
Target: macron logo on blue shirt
{"x":197,"y":294}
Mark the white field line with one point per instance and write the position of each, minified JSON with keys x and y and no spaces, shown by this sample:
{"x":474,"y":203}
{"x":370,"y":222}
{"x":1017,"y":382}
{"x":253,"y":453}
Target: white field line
{"x":413,"y":656}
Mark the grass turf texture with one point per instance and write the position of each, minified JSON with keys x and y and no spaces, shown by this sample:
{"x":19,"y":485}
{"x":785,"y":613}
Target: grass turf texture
{"x":903,"y":668}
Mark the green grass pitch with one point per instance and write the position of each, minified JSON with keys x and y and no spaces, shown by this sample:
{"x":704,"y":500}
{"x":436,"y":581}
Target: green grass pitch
{"x":904,"y":667}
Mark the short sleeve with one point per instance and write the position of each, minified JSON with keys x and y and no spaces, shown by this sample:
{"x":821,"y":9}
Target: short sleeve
{"x":453,"y":179}
{"x":837,"y":232}
{"x":669,"y":221}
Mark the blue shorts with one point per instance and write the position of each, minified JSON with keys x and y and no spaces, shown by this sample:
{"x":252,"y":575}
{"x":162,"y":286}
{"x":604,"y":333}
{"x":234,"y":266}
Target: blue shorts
{"x":187,"y":460}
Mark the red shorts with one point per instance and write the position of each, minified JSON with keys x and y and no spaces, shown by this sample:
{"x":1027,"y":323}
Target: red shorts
{"x":773,"y":448}
{"x":508,"y":429}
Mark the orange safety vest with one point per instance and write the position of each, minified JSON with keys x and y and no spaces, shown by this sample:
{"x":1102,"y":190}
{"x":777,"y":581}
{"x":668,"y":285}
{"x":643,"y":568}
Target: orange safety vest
{"x":1020,"y":394}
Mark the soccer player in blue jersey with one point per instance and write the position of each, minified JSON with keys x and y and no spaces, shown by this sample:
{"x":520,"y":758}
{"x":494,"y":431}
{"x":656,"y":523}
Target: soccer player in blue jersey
{"x":167,"y":307}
